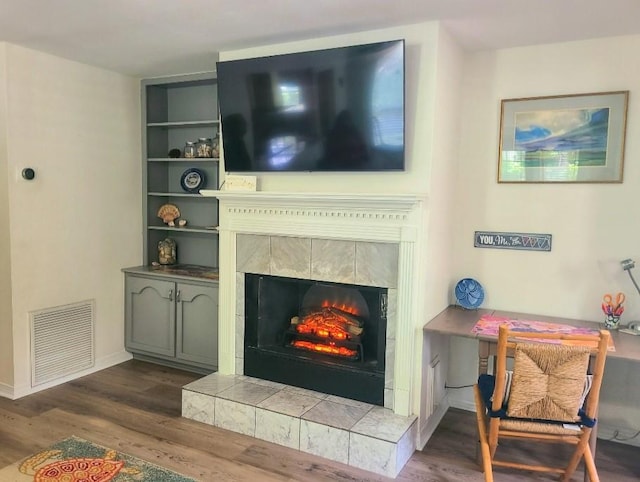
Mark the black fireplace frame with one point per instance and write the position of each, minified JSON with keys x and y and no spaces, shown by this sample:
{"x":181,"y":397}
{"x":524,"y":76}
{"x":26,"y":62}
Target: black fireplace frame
{"x":267,"y":315}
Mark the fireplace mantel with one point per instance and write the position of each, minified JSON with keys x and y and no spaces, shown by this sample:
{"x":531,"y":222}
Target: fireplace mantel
{"x":390,"y":218}
{"x":395,"y":202}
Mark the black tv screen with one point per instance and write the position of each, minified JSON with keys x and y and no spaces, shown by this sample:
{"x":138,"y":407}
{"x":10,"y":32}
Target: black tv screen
{"x":339,"y":109}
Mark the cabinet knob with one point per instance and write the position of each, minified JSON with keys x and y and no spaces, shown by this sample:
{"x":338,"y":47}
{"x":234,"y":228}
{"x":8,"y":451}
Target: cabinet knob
{"x":178,"y":296}
{"x":171,"y":295}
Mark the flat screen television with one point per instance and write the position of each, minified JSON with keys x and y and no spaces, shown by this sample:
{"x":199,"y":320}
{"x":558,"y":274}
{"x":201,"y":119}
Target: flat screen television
{"x":339,"y":109}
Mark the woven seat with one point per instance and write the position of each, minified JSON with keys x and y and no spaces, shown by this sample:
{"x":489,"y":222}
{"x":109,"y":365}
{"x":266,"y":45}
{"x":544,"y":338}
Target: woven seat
{"x":545,"y":399}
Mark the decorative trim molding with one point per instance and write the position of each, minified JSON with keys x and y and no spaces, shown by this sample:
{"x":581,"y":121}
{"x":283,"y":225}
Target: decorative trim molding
{"x":324,"y":201}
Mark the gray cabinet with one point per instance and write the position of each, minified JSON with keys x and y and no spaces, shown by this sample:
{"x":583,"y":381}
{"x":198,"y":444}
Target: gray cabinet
{"x":172,"y":322}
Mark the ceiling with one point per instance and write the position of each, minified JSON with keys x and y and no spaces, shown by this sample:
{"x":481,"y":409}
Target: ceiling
{"x":146,"y":38}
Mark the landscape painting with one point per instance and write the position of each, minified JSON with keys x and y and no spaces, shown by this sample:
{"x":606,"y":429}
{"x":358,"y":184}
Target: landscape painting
{"x":577,"y":138}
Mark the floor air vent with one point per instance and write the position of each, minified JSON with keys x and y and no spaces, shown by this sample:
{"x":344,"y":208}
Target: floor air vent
{"x":61,"y":341}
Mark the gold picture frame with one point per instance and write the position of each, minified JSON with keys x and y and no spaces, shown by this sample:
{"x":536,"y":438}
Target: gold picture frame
{"x":576,"y":138}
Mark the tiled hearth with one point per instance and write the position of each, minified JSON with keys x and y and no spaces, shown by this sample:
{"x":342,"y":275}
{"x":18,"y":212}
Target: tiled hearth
{"x":354,"y":433}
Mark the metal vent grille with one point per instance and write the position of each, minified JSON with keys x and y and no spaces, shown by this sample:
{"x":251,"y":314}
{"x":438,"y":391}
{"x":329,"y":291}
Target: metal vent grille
{"x":61,"y":341}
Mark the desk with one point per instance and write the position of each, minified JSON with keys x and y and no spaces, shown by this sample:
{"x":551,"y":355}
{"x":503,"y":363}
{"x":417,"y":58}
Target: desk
{"x":456,"y":321}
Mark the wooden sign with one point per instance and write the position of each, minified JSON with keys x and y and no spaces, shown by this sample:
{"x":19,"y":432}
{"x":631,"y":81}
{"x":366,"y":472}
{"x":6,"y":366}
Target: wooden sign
{"x":522,"y":241}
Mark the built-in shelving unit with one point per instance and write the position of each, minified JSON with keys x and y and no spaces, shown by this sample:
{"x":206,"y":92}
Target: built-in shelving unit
{"x":171,"y":312}
{"x":177,"y":110}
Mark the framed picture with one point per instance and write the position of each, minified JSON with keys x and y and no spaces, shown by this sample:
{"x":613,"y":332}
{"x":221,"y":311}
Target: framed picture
{"x":563,"y":138}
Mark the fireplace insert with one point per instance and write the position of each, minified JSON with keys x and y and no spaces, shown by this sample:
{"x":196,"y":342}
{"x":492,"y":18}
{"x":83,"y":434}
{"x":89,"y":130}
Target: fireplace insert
{"x":323,"y":336}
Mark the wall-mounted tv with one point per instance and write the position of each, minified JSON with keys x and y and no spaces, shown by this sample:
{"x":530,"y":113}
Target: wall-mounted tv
{"x":339,"y":109}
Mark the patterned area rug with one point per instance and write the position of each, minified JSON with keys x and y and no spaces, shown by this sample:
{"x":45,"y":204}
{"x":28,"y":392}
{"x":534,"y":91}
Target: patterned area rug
{"x":77,"y":460}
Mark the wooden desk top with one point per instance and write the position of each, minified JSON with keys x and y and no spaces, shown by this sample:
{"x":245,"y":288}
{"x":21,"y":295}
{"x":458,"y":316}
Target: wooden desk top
{"x":458,"y":321}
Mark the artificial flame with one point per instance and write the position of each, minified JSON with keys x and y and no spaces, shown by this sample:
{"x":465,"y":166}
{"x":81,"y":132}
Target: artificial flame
{"x":322,"y":348}
{"x":351,"y":309}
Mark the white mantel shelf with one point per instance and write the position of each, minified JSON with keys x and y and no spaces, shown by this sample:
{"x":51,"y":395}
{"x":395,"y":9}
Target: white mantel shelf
{"x":375,"y":201}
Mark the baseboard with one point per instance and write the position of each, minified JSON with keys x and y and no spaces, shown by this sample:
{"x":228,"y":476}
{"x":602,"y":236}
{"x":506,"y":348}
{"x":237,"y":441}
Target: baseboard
{"x":608,"y":432}
{"x":457,"y":399}
{"x":100,"y":364}
{"x":6,"y":391}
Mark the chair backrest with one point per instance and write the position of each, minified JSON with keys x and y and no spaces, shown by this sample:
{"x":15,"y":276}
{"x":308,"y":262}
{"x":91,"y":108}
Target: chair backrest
{"x":549,"y":378}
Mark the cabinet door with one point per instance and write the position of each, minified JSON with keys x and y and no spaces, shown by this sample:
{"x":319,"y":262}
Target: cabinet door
{"x":150,"y":322}
{"x":197,"y":324}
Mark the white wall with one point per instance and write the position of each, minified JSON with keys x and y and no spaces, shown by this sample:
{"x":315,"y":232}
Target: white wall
{"x":79,"y":222}
{"x":593,"y":225}
{"x":6,"y":345}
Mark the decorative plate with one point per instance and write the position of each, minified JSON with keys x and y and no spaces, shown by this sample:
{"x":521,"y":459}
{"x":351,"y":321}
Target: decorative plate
{"x":192,"y":180}
{"x":469,"y":293}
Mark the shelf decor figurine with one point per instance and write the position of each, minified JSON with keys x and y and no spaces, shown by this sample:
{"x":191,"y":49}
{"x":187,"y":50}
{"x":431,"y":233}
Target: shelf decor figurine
{"x":169,"y":213}
{"x":167,"y":251}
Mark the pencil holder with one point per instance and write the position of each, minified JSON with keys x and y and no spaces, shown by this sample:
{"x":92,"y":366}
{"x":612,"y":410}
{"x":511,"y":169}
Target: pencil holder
{"x":611,"y":322}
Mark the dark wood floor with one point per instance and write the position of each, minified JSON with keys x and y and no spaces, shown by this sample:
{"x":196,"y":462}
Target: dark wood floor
{"x":134,"y":407}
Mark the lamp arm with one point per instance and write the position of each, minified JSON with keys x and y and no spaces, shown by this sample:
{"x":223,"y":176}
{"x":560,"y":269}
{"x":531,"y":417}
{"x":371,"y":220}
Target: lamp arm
{"x":633,"y":280}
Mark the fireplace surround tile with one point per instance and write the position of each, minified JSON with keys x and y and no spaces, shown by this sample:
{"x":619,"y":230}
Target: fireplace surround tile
{"x":382,"y":424}
{"x":324,"y":441}
{"x":304,"y":391}
{"x":253,"y":253}
{"x":248,"y":393}
{"x":336,"y":415}
{"x":211,"y":385}
{"x":289,"y":403}
{"x":377,"y":264}
{"x":333,"y":260}
{"x":290,"y":257}
{"x":278,"y":428}
{"x":234,"y":416}
{"x":349,"y":402}
{"x":199,"y":407}
{"x":372,"y":454}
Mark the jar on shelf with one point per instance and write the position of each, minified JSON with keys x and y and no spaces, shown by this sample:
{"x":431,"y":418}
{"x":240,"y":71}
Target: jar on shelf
{"x":215,"y":147}
{"x":189,"y":149}
{"x":203,"y":147}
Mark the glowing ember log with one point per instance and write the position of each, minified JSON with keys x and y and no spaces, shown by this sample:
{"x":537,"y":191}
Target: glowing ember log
{"x":328,"y":323}
{"x":322,"y":348}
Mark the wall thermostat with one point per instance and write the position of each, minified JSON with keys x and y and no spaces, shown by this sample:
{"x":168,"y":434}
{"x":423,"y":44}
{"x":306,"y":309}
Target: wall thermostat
{"x":28,"y":173}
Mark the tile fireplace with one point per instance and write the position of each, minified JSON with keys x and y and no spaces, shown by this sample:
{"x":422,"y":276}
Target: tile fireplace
{"x":308,"y":244}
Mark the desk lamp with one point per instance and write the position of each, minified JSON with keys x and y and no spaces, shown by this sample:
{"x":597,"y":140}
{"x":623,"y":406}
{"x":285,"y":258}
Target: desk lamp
{"x":628,"y":265}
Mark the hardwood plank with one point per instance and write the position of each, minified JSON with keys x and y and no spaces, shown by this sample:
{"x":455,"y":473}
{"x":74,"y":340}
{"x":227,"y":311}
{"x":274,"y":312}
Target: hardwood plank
{"x":134,"y":407}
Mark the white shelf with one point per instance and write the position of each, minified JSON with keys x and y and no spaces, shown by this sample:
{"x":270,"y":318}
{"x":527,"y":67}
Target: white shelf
{"x":187,"y":229}
{"x":183,"y":159}
{"x":175,"y":194}
{"x":184,"y":123}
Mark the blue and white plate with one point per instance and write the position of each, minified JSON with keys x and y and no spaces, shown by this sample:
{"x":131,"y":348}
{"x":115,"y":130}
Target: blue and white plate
{"x":192,"y":180}
{"x":469,"y":293}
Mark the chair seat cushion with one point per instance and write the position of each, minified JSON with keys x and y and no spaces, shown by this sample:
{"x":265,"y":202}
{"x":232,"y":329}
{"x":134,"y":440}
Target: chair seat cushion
{"x":548,"y":381}
{"x":487,"y":384}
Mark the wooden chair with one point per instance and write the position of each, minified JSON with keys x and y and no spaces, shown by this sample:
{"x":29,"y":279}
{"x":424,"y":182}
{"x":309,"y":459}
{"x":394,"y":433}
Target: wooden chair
{"x":543,"y":398}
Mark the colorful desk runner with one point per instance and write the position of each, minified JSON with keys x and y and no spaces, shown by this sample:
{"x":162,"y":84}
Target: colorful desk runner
{"x":488,"y":325}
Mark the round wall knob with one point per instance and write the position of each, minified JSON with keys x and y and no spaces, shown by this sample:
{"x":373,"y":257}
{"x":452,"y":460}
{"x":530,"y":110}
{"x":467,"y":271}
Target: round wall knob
{"x":28,"y":173}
